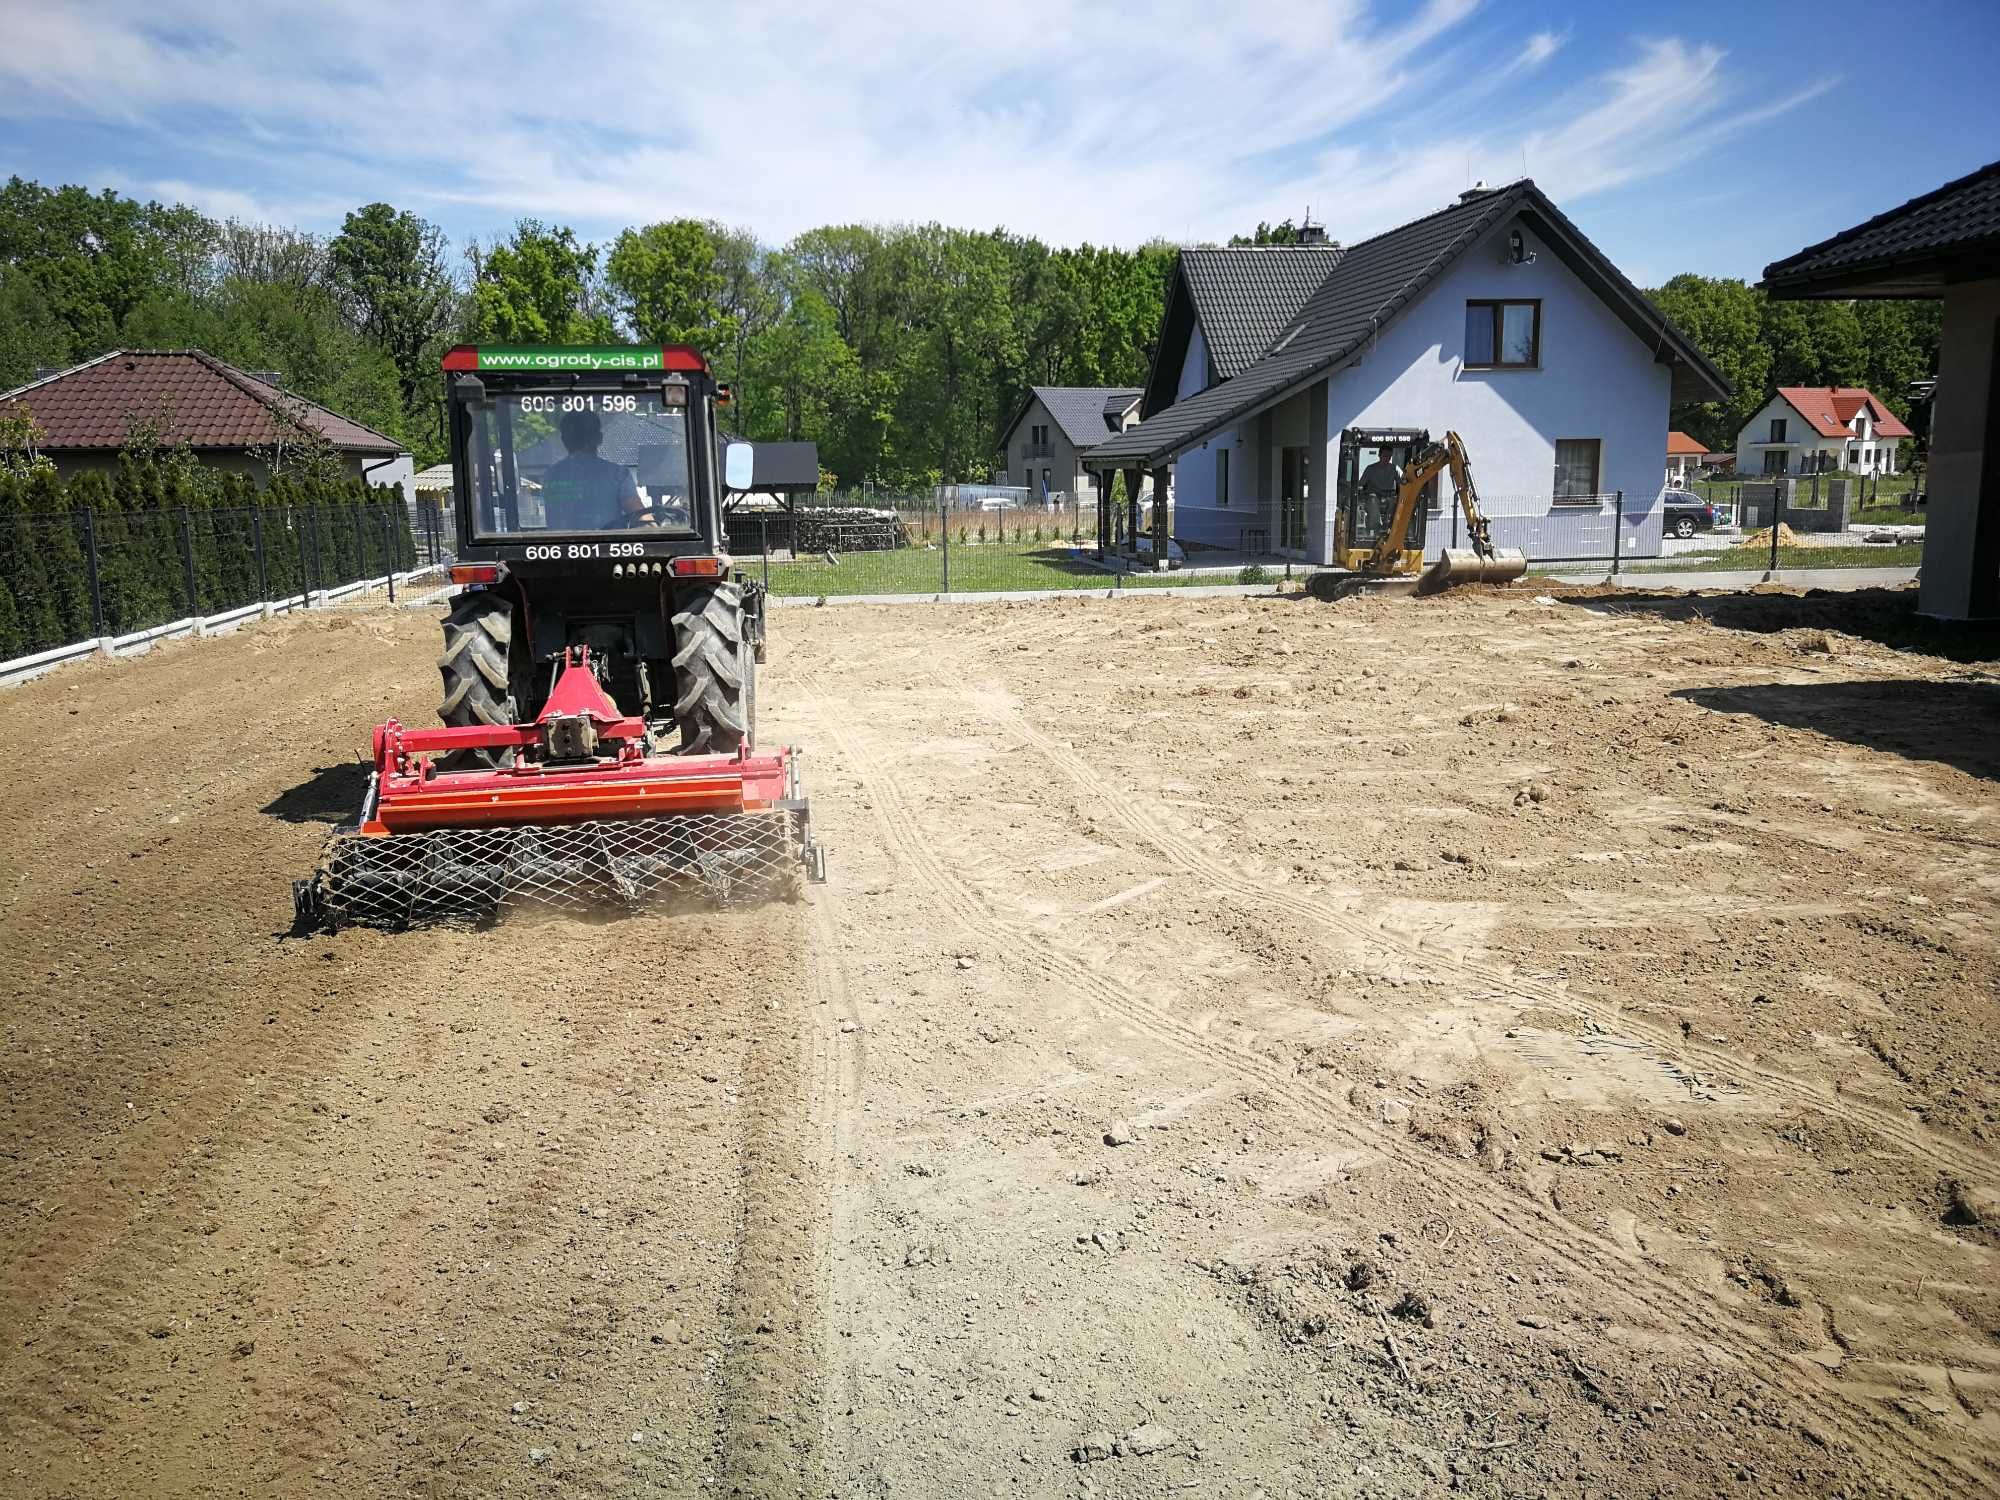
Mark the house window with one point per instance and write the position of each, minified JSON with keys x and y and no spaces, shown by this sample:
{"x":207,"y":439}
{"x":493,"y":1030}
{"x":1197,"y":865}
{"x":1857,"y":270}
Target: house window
{"x":1221,"y":476}
{"x":1576,"y":469}
{"x":1777,"y":429}
{"x":1503,"y":335}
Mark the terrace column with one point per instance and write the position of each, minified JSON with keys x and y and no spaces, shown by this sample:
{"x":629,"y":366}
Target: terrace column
{"x":1160,"y":520}
{"x":1132,"y":481}
{"x":1961,"y":572}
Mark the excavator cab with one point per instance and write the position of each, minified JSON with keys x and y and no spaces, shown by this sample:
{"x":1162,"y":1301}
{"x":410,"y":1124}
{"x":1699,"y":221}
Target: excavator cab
{"x":1364,"y":512}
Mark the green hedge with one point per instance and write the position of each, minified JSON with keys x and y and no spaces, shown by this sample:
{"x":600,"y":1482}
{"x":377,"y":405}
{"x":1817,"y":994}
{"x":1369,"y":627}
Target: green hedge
{"x":317,"y":533}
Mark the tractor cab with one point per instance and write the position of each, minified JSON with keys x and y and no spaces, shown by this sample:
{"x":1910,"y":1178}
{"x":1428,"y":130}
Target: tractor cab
{"x":579,"y":455}
{"x":588,"y":483}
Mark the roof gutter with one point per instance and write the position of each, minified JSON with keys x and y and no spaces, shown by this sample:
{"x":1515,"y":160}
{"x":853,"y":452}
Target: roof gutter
{"x":367,"y":469}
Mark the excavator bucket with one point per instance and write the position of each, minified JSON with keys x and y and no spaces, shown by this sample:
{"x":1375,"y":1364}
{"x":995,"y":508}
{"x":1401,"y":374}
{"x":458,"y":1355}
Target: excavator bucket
{"x":582,"y":813}
{"x":1458,"y":565}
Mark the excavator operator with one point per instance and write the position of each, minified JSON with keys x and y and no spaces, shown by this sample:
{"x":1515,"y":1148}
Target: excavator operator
{"x":1380,"y":483}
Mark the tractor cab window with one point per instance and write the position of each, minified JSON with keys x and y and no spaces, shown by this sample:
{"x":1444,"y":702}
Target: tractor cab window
{"x":570,"y":460}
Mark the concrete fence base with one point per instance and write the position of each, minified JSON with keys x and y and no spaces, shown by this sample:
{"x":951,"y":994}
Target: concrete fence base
{"x":22,"y":668}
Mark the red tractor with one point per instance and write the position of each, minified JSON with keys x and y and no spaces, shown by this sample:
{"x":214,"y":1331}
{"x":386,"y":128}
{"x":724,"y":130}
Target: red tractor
{"x":599,"y":664}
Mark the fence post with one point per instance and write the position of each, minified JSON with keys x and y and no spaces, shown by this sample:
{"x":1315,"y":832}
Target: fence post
{"x":319,"y":562}
{"x":389,"y":539}
{"x":1777,"y":516}
{"x":1617,"y":530}
{"x":96,"y":581}
{"x":944,"y":531}
{"x":187,"y":567}
{"x":257,"y":542}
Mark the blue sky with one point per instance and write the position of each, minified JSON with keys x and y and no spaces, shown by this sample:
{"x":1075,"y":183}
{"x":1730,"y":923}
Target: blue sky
{"x":1710,"y":137}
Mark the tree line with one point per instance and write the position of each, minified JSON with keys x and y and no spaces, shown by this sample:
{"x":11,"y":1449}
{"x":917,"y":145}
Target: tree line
{"x":901,"y":349}
{"x":1760,"y":345}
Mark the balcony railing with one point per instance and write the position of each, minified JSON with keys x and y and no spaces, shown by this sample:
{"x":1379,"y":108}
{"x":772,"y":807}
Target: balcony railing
{"x":1038,"y":450}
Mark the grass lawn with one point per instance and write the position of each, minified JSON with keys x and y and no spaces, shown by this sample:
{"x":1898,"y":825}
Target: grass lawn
{"x":1903,"y":555}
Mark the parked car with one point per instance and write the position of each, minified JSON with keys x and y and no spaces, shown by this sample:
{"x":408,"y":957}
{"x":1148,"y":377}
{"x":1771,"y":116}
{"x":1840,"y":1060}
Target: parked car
{"x":1683,"y":513}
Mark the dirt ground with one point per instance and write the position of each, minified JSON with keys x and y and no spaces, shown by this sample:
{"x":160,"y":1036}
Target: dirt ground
{"x":1518,"y":1045}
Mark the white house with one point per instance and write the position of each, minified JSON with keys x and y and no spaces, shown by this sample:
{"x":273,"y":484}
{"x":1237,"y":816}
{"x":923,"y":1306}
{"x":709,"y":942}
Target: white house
{"x":1282,"y":373}
{"x":1054,"y":427}
{"x":1815,"y":429}
{"x":1684,"y":456}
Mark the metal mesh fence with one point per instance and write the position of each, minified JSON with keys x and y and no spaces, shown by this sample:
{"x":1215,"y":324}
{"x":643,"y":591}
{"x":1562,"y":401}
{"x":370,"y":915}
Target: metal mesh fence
{"x":1822,"y":521}
{"x":919,"y":546}
{"x":78,"y":575}
{"x":1587,"y":529}
{"x":474,"y":874}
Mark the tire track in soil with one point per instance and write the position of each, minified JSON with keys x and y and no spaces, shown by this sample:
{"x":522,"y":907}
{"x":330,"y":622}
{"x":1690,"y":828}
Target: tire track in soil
{"x":1928,"y":1146}
{"x":837,"y":1074}
{"x":1542,"y":1234}
{"x":81,"y":1299}
{"x":770,"y":1424}
{"x":530,"y":1218}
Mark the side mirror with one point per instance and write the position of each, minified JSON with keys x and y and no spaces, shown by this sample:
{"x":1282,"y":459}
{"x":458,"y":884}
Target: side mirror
{"x":739,"y":466}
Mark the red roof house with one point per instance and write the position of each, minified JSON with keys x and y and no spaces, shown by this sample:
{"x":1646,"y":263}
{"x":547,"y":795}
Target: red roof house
{"x":1683,"y":453}
{"x":84,"y":415}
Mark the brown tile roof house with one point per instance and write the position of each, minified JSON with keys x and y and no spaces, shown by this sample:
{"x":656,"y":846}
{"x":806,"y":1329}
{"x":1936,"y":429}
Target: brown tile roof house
{"x":195,"y":398}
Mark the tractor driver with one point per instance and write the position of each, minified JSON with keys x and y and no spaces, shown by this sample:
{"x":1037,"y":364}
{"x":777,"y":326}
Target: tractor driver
{"x":1380,"y":483}
{"x":585,"y":492}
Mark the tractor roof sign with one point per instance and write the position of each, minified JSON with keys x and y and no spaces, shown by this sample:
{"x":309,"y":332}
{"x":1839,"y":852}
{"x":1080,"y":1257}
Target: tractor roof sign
{"x":574,"y":357}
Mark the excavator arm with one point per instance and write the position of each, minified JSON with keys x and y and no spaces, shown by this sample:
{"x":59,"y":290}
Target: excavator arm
{"x":1387,"y":554}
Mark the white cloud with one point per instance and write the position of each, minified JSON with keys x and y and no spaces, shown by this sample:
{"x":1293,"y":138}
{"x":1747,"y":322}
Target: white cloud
{"x":1057,"y":117}
{"x":1538,"y":49}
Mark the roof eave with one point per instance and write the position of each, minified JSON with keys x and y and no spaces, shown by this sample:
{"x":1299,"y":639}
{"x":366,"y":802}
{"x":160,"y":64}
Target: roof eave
{"x":1915,"y":277}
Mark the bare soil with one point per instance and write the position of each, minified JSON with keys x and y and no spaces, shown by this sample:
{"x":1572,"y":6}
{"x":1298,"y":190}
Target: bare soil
{"x":1517,"y":1043}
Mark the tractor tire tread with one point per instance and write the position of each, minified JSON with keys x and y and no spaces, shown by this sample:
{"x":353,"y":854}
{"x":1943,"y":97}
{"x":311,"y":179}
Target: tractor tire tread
{"x":478,"y":640}
{"x":712,"y":671}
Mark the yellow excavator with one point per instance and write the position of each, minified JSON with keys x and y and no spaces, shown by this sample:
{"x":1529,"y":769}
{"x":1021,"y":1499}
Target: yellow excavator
{"x":1381,"y":546}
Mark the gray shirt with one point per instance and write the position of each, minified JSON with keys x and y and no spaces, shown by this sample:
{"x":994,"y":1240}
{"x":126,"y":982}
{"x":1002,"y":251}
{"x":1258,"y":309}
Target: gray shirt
{"x":586,"y":493}
{"x":1382,"y":478}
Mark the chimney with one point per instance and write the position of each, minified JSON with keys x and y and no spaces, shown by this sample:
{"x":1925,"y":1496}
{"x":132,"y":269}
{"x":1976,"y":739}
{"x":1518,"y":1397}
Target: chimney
{"x":1311,"y":233}
{"x":1479,"y":189}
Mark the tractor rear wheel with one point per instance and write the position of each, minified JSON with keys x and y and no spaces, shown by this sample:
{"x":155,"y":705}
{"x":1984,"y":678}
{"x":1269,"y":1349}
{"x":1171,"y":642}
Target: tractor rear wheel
{"x":477,"y":669}
{"x":715,"y":670}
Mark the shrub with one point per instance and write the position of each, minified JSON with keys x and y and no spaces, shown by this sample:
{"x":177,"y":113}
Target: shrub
{"x":1254,"y":573}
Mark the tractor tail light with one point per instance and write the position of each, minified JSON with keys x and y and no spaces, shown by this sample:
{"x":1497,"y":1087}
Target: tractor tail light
{"x":696,"y":567}
{"x":475,"y":572}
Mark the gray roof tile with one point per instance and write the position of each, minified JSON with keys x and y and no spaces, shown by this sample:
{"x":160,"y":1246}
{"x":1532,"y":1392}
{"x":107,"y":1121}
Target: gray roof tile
{"x":1084,"y":411}
{"x":1953,"y":227}
{"x":1245,"y":295}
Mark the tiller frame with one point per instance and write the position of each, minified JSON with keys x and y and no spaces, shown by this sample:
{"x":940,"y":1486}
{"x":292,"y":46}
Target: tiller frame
{"x":587,"y":809}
